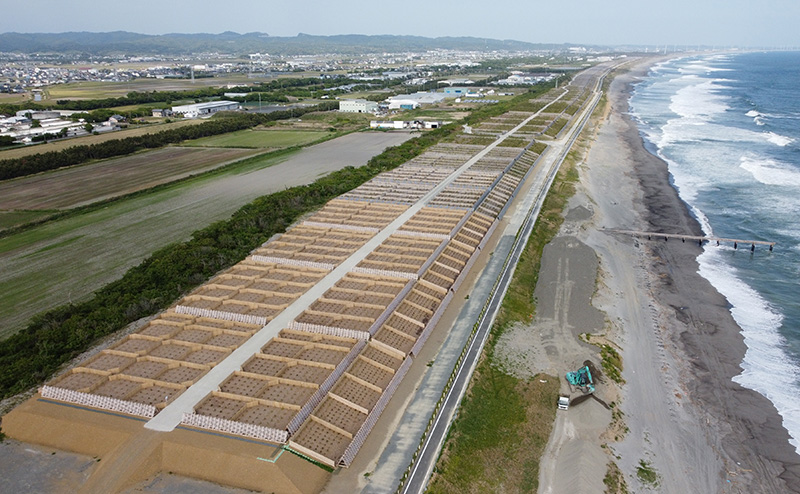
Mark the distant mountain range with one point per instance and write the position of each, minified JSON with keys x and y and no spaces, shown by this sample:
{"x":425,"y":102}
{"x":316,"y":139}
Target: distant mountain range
{"x":125,"y":43}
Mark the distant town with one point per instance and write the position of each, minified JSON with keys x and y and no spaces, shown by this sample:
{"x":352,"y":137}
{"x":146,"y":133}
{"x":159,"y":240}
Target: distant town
{"x":431,"y":76}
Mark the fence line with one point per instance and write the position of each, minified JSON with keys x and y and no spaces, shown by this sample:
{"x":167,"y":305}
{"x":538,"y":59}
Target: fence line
{"x":97,"y":401}
{"x":292,"y":262}
{"x":413,"y":233}
{"x":329,"y":330}
{"x":219,"y":314}
{"x":361,"y":436}
{"x":386,"y":272}
{"x":234,"y":427}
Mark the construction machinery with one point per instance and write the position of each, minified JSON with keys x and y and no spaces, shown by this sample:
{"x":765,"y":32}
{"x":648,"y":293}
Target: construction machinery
{"x":582,"y":378}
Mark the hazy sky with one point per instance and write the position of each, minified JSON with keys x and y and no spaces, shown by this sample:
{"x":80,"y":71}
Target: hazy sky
{"x":611,"y":22}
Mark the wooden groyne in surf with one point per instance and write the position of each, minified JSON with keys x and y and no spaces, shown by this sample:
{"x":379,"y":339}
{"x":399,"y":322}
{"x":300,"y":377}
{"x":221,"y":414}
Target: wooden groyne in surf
{"x":699,"y":239}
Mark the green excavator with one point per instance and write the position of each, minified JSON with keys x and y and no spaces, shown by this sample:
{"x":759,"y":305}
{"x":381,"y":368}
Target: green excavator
{"x":582,"y":378}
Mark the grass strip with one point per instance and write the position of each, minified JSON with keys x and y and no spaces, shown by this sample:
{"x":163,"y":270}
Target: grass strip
{"x":504,"y":422}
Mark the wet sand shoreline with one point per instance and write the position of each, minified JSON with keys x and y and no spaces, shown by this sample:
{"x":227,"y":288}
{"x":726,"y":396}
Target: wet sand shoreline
{"x":747,"y":430}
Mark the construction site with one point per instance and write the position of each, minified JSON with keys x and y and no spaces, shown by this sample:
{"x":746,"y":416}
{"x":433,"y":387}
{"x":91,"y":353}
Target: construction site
{"x":284,"y":362}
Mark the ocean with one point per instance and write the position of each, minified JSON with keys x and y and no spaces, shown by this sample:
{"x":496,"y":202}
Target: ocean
{"x":728,"y":125}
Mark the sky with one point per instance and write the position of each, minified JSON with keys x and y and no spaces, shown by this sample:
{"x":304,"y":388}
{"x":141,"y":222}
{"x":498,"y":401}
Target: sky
{"x":717,"y":23}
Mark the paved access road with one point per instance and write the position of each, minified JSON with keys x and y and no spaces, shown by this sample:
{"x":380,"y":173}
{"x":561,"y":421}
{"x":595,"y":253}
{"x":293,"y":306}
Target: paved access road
{"x":514,"y":237}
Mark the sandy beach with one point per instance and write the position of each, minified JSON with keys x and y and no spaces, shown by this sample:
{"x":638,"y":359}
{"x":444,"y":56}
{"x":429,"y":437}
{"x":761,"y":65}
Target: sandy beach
{"x":681,"y":413}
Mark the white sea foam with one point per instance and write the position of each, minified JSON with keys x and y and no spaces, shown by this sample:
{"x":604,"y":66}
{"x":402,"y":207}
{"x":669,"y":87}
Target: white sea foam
{"x":770,"y":172}
{"x":757,"y":117}
{"x":766,"y":367}
{"x":701,"y":67}
{"x":699,"y":101}
{"x":778,"y":139}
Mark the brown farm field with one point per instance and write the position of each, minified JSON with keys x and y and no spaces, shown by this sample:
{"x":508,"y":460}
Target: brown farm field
{"x":65,"y":260}
{"x":80,"y":185}
{"x":94,"y":139}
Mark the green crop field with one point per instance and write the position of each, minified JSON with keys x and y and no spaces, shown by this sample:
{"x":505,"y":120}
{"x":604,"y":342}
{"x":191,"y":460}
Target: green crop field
{"x":9,"y":219}
{"x":260,"y":139}
{"x":65,"y":260}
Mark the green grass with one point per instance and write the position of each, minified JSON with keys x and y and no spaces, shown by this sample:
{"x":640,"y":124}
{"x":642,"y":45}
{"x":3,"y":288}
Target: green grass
{"x":499,"y":435}
{"x":615,"y":480}
{"x":504,"y":422}
{"x":57,"y":245}
{"x":100,"y":90}
{"x":10,"y":219}
{"x":260,"y":139}
{"x":24,"y":293}
{"x":612,"y":363}
{"x":647,"y":474}
{"x":13,"y":99}
{"x":554,"y":129}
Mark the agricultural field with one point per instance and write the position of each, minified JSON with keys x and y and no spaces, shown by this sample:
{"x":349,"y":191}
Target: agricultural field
{"x":449,"y":114}
{"x":100,"y":90}
{"x":19,"y":152}
{"x":13,"y":99}
{"x":326,"y":120}
{"x":9,"y":219}
{"x":260,"y":138}
{"x":80,"y":185}
{"x":65,"y":260}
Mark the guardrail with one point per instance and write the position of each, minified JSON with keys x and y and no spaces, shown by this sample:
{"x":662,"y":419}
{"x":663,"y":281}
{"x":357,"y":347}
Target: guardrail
{"x":522,"y":234}
{"x":467,"y":346}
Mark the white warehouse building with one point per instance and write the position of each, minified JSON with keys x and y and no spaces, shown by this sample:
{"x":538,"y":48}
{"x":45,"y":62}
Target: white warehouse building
{"x":411,"y":101}
{"x":201,"y":109}
{"x":357,"y":106}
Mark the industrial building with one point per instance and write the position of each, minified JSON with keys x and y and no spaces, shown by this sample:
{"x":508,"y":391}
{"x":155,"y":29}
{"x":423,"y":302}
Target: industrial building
{"x":202,"y":109}
{"x":518,"y":79}
{"x":406,"y":124}
{"x":456,"y":91}
{"x":411,"y":101}
{"x":358,"y":106}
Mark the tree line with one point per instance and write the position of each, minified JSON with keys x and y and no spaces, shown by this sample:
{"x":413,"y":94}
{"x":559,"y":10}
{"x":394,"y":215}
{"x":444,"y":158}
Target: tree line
{"x":285,"y":86}
{"x":221,"y":124}
{"x":52,"y":338}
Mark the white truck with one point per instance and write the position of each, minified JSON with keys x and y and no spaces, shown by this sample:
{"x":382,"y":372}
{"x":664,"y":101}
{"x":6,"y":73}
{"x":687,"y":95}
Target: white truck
{"x":563,"y":402}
